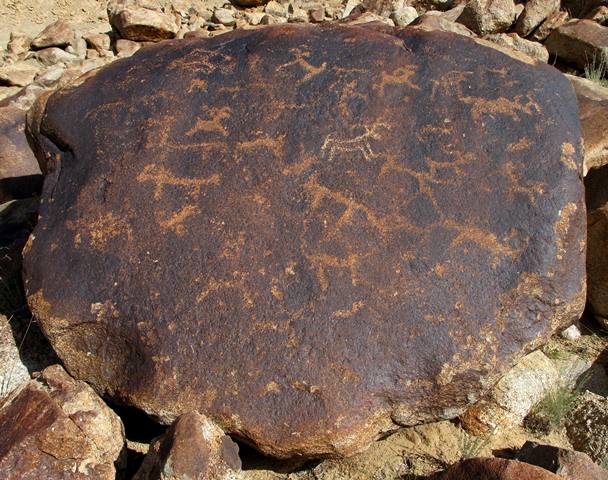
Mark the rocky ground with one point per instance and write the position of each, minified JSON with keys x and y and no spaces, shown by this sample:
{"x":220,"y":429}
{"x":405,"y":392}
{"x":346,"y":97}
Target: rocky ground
{"x":547,"y":416}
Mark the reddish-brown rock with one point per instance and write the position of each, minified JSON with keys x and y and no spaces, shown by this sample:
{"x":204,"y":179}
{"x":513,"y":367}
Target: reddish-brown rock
{"x":553,"y":21}
{"x":58,"y":428}
{"x":568,"y":464}
{"x":57,"y":34}
{"x":194,"y":448}
{"x":535,"y":13}
{"x":20,"y":175}
{"x":592,"y":101}
{"x":596,"y":183}
{"x":593,"y":107}
{"x":513,"y":41}
{"x":579,"y":42}
{"x":495,"y":469}
{"x":309,"y":234}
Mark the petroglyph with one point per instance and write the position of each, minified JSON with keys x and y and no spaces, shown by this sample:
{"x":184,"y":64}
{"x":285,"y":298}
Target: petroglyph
{"x":568,"y":156}
{"x":323,"y":262}
{"x":214,"y":124}
{"x":355,"y":307}
{"x":360,"y":143}
{"x":519,"y":185}
{"x":274,"y":145}
{"x":237,"y":282}
{"x":400,"y":76}
{"x":302,"y":61}
{"x":105,"y":228}
{"x":512,"y":107}
{"x":319,"y":192}
{"x":161,"y":177}
{"x":175,"y":221}
{"x":484,"y":239}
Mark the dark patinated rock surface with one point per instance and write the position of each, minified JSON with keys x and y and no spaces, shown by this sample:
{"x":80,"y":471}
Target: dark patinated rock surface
{"x":19,"y":171}
{"x":308,"y":234}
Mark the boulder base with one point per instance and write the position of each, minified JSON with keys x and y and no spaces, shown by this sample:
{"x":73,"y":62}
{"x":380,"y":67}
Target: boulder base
{"x":310,"y":235}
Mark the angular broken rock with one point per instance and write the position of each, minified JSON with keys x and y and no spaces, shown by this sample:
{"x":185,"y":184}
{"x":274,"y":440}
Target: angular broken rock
{"x":438,"y":22}
{"x":579,"y":42}
{"x":308,"y":283}
{"x":512,"y":398}
{"x":100,"y":42}
{"x":135,"y":21}
{"x":568,"y":464}
{"x":512,"y":40}
{"x":194,"y":448}
{"x":18,"y":45}
{"x":126,"y":48}
{"x":17,"y":76}
{"x":57,"y":428}
{"x":488,"y":16}
{"x":53,"y":55}
{"x":57,"y":34}
{"x":551,"y":23}
{"x":535,"y":13}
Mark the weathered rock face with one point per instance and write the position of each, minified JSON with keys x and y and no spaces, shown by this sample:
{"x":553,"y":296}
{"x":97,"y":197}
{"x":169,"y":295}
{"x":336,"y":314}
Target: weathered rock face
{"x":568,"y":464}
{"x":579,"y":42}
{"x":495,"y":469}
{"x":57,"y":34}
{"x":535,"y":13}
{"x":580,"y":8}
{"x":193,"y":448}
{"x":552,"y":22}
{"x":587,"y":426}
{"x":592,"y":101}
{"x":305,"y":244}
{"x":141,"y":20}
{"x":58,"y":428}
{"x":436,"y":22}
{"x":488,"y":16}
{"x":20,"y":175}
{"x":512,"y":40}
{"x":596,"y":193}
{"x":512,"y":398}
{"x":12,"y":371}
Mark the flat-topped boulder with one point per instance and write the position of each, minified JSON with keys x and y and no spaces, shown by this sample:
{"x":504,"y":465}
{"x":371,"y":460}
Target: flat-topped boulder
{"x":311,"y":235}
{"x":582,"y":43}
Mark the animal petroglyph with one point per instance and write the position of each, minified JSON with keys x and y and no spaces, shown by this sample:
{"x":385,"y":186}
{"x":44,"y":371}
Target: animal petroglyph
{"x":161,"y":177}
{"x":361,"y":143}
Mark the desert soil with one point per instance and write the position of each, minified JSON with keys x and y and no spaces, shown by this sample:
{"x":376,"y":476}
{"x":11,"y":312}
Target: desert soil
{"x":31,"y":16}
